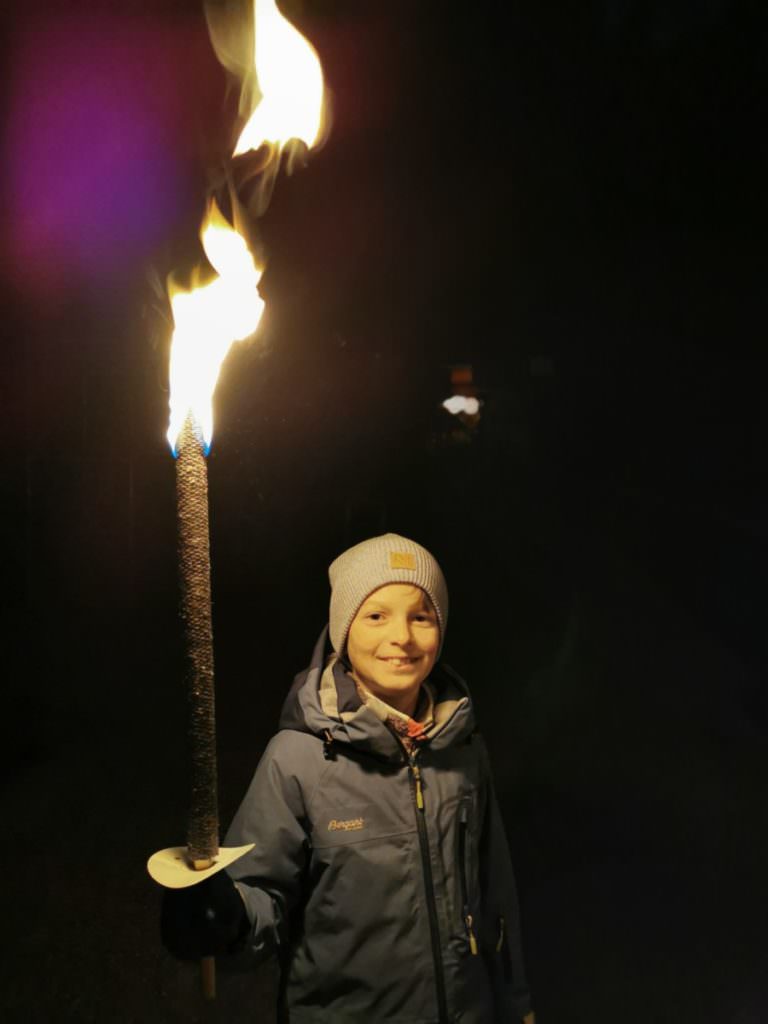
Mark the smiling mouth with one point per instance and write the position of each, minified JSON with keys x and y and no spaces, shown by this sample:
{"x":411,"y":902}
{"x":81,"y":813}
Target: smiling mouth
{"x":398,"y":662}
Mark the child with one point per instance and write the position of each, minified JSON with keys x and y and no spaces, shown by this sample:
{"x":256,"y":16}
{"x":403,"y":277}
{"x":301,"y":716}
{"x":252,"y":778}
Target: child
{"x":381,"y":875}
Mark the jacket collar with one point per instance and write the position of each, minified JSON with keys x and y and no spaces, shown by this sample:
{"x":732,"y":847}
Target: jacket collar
{"x":324,"y":700}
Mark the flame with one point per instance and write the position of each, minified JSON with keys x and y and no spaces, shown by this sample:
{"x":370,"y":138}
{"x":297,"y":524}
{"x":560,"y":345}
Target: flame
{"x":290,"y":80}
{"x":207,"y":320}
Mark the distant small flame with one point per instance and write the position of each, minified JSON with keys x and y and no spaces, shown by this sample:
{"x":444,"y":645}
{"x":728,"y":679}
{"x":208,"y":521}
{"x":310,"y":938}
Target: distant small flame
{"x":461,"y":403}
{"x":207,"y":320}
{"x":290,"y":81}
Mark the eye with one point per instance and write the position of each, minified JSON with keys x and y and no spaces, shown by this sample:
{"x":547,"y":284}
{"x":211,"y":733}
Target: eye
{"x":374,"y":616}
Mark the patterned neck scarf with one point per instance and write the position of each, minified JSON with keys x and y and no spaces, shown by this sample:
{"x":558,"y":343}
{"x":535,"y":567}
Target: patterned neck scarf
{"x":410,"y":731}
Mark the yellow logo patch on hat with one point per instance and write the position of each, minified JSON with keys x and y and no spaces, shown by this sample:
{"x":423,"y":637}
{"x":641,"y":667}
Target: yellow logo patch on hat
{"x":402,"y":560}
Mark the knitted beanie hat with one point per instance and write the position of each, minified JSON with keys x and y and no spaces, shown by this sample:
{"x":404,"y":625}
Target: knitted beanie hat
{"x":360,"y":570}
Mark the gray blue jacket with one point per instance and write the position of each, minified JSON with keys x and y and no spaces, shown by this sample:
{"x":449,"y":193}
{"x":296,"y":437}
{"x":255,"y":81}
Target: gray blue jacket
{"x":382,"y":881}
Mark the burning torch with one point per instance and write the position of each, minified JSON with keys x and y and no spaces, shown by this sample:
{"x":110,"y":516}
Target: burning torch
{"x":283,"y":85}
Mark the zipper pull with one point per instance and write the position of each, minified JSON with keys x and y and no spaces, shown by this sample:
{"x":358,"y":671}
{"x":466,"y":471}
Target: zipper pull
{"x":500,"y":943}
{"x":417,"y":779}
{"x":471,"y":934}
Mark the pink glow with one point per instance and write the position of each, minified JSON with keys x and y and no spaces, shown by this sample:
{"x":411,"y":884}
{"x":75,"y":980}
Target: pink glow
{"x":101,"y":126}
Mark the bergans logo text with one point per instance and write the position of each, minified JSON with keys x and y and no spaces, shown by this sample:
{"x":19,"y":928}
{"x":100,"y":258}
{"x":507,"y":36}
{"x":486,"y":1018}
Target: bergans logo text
{"x":346,"y":826}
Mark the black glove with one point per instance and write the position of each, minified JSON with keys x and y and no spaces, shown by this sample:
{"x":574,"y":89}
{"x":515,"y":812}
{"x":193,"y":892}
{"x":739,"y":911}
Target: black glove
{"x":206,"y":919}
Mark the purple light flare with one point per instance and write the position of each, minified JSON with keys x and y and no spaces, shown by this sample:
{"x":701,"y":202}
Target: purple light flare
{"x":100,"y":138}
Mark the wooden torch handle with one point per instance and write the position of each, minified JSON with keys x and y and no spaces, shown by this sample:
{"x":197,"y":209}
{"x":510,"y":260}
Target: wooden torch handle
{"x":208,"y":976}
{"x":207,"y":963}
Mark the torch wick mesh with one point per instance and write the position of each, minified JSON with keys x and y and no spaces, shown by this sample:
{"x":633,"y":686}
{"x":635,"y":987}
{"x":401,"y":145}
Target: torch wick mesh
{"x":195,"y":580}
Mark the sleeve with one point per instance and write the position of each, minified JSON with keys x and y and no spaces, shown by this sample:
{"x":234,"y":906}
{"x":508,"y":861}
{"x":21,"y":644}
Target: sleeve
{"x":271,"y":877}
{"x":501,"y":911}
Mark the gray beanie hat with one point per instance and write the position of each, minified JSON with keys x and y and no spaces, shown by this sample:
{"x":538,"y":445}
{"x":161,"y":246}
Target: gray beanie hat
{"x":360,"y":570}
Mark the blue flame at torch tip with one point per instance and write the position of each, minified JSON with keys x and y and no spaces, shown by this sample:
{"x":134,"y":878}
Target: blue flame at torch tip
{"x":205,"y":445}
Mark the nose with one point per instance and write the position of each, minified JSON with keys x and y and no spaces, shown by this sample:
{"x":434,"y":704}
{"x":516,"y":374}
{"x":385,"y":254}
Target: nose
{"x":400,"y":631}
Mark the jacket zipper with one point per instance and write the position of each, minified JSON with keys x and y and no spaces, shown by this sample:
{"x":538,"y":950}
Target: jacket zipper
{"x":434,"y":929}
{"x":468,"y":920}
{"x":502,"y":948}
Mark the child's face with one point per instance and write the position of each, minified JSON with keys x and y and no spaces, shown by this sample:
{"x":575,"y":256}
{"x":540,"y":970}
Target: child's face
{"x":393,"y":643}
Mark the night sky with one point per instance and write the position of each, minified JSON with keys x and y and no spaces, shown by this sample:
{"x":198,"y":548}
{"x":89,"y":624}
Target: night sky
{"x":569,"y":200}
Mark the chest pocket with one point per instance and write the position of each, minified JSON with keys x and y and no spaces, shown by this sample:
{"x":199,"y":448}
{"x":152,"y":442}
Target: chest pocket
{"x":466,"y":853}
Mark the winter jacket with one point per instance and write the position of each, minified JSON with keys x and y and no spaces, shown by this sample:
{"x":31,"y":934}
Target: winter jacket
{"x":381,"y":879}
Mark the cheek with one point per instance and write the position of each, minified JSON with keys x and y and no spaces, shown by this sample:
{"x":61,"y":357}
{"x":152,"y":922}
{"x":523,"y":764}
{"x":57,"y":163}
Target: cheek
{"x":358,"y":646}
{"x":431,"y":644}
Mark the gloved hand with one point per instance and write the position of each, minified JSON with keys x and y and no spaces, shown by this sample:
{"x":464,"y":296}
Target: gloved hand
{"x":206,"y":919}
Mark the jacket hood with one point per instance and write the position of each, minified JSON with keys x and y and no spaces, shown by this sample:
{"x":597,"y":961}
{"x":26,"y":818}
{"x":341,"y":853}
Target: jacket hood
{"x":323,"y":701}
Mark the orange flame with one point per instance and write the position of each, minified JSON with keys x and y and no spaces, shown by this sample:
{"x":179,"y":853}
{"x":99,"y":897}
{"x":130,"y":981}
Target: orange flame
{"x":207,"y":320}
{"x":210,"y":317}
{"x":290,"y":80}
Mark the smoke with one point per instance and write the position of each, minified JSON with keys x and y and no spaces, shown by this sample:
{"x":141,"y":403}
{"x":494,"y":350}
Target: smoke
{"x":231,"y":30}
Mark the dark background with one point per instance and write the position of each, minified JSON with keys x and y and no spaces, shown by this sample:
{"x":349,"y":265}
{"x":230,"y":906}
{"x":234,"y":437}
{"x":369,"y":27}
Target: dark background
{"x":571,"y":201}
